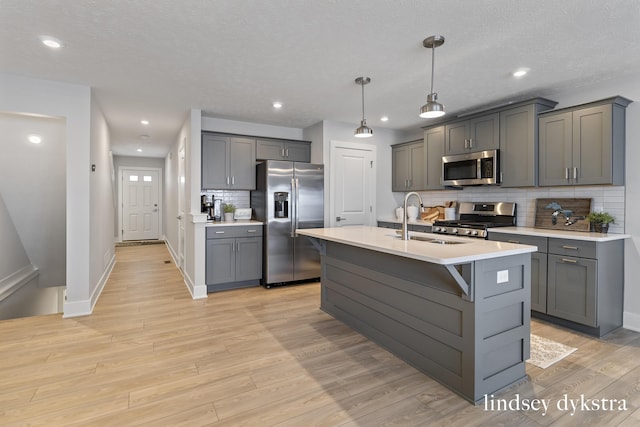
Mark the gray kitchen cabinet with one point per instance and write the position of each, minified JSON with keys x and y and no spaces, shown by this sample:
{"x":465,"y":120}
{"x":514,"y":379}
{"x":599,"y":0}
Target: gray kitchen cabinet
{"x":579,"y":284}
{"x":433,"y":152}
{"x":233,"y":257}
{"x":538,"y":266}
{"x":408,"y":167}
{"x":583,"y":145}
{"x":273,"y":149}
{"x":477,"y":134}
{"x":228,"y":162}
{"x":519,"y":143}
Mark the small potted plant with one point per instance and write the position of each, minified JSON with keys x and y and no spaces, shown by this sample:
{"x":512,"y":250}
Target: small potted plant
{"x":599,"y":221}
{"x":228,"y":209}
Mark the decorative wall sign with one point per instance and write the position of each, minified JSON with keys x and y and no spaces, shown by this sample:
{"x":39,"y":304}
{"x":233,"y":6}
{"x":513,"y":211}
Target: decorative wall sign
{"x":563,"y":214}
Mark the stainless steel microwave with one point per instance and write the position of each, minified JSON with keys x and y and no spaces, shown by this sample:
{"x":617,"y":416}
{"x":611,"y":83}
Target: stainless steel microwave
{"x":479,"y":168}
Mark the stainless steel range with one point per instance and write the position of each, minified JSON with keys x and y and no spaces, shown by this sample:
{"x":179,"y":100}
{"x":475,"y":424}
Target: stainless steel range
{"x":476,"y":218}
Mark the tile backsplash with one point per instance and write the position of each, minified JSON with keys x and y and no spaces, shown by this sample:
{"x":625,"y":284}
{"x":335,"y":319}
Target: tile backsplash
{"x":241,"y":199}
{"x":604,"y":198}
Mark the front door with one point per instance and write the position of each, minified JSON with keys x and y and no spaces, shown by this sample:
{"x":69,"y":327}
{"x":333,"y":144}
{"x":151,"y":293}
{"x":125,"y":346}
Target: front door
{"x":140,"y":204}
{"x":353,"y":184}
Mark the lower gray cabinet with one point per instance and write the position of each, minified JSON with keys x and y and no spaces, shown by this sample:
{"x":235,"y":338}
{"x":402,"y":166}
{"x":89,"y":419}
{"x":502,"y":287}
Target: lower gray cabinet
{"x":573,"y":289}
{"x":234,"y":257}
{"x":579,"y":284}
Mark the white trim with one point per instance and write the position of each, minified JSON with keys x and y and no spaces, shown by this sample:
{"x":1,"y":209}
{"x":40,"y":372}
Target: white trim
{"x":121,"y":170}
{"x":15,"y":281}
{"x":352,"y":146}
{"x":85,"y":307}
{"x":197,"y":292}
{"x":631,"y":321}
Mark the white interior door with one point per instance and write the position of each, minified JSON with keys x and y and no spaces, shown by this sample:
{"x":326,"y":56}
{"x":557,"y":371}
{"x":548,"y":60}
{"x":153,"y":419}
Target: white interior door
{"x":181,"y":207}
{"x":353,"y":184}
{"x":140,"y":204}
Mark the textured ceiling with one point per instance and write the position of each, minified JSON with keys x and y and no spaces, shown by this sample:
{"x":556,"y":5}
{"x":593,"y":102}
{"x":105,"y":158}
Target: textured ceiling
{"x":156,"y":59}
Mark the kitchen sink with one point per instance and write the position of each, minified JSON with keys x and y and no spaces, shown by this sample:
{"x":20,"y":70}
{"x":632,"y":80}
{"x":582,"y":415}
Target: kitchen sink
{"x":430,"y":239}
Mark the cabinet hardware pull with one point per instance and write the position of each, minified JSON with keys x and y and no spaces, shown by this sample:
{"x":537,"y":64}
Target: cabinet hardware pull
{"x":283,"y":153}
{"x":566,"y":173}
{"x":470,"y":142}
{"x":572,"y":261}
{"x":219,"y":232}
{"x":287,"y":151}
{"x":233,"y":180}
{"x":466,"y":143}
{"x":251,"y":231}
{"x":238,"y":246}
{"x":575,"y":248}
{"x":575,"y":173}
{"x":227,"y":180}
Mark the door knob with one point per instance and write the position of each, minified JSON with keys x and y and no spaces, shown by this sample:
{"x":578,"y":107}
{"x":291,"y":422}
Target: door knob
{"x":340,"y":219}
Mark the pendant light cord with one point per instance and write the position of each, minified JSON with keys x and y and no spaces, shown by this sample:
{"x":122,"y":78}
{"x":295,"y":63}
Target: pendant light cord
{"x":433,"y":56}
{"x":362,"y":84}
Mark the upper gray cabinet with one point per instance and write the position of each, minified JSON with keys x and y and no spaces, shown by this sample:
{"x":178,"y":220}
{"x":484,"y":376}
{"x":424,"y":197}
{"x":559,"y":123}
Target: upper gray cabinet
{"x":228,"y":163}
{"x":476,"y":134}
{"x":583,"y":145}
{"x":408,"y":166}
{"x":433,"y":152}
{"x":273,"y":149}
{"x":518,"y":143}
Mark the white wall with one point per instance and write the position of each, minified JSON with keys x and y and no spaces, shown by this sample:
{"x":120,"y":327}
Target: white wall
{"x":33,"y":186}
{"x":73,"y":104}
{"x":102,"y":243}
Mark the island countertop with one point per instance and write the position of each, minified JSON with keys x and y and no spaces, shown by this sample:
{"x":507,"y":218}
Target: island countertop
{"x":385,"y":240}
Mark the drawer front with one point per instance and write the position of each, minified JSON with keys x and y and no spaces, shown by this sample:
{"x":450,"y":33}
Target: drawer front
{"x":540,"y":242}
{"x":223,"y":232}
{"x":572,"y":248}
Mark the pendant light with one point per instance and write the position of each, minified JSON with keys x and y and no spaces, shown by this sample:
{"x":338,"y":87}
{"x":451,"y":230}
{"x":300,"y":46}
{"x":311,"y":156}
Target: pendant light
{"x":363,"y":130}
{"x":432,"y":108}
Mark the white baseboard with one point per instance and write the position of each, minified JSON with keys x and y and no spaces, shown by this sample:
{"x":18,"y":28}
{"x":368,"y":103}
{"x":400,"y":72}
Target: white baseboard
{"x":197,"y":292}
{"x":631,"y":321}
{"x":85,"y":307}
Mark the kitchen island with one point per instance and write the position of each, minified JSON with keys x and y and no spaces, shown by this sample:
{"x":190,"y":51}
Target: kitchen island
{"x":457,"y":309}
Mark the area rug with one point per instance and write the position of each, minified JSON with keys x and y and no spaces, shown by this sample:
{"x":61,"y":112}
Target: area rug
{"x":545,"y":352}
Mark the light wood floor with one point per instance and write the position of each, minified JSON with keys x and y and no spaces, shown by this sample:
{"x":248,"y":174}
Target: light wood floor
{"x":150,"y":355}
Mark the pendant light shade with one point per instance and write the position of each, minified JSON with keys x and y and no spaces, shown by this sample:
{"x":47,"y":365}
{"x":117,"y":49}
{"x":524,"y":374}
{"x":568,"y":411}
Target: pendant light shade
{"x":432,"y":108}
{"x":363,"y":131}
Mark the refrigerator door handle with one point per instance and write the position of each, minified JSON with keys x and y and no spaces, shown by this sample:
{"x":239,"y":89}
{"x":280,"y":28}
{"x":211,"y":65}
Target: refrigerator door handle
{"x":294,"y":207}
{"x":297,"y":218}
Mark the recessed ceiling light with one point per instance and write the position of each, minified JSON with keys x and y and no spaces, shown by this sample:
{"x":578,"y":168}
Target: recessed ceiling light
{"x":139,"y":150}
{"x":144,"y":122}
{"x":277,"y":104}
{"x":51,"y":42}
{"x":520,"y":72}
{"x":34,"y":139}
{"x":384,"y":119}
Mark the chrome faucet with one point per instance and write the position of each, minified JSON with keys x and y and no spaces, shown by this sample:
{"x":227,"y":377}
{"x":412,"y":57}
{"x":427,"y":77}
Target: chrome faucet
{"x":405,"y":228}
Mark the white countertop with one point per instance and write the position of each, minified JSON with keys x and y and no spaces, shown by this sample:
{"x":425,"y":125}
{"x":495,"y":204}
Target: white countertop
{"x":560,"y":234}
{"x":233,"y":223}
{"x":384,"y":240}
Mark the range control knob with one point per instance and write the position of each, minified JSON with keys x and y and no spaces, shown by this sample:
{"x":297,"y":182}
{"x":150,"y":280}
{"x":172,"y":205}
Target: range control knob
{"x":467,"y":232}
{"x":474,"y":233}
{"x":454,"y":231}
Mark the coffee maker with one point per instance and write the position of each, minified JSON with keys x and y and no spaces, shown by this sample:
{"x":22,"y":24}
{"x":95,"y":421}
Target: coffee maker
{"x":215,"y":211}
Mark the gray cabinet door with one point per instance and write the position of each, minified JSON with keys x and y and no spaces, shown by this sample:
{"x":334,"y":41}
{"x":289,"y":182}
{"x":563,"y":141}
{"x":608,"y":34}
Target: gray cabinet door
{"x":297,"y":152}
{"x":221,"y":261}
{"x":433,"y":151}
{"x":416,"y":167}
{"x":572,"y":292}
{"x":269,"y":150}
{"x":539,"y":282}
{"x":242,"y":164}
{"x":518,"y":150}
{"x":484,"y":133}
{"x":215,"y":158}
{"x":555,"y":148}
{"x":248,"y":259}
{"x":400,"y":168}
{"x":592,"y":145}
{"x":456,"y":138}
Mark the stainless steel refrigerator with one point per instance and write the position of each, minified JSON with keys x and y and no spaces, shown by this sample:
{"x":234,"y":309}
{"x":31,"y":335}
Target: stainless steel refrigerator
{"x":288,"y":196}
